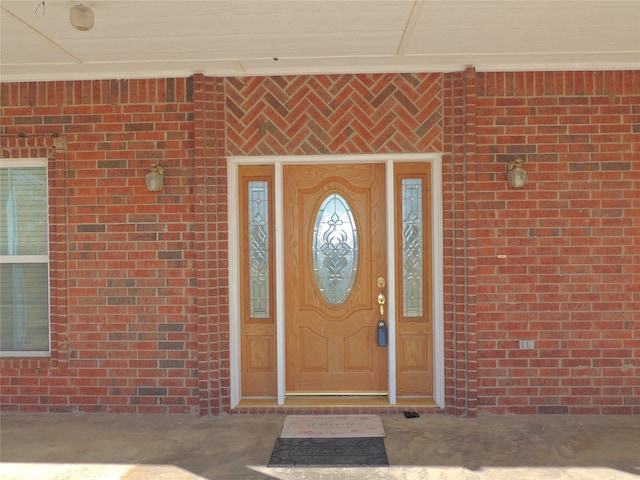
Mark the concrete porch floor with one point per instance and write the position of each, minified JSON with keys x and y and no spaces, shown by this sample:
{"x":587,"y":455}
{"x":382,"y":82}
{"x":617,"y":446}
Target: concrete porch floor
{"x":92,"y":447}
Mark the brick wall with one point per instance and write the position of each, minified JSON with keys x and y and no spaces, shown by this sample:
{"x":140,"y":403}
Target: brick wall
{"x":459,"y":282}
{"x":334,"y":114}
{"x":211,"y":246}
{"x":140,"y":315}
{"x":570,"y":279}
{"x":122,"y":259}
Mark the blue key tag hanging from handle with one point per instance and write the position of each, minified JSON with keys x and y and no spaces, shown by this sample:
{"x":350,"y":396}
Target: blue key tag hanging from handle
{"x":382,"y":333}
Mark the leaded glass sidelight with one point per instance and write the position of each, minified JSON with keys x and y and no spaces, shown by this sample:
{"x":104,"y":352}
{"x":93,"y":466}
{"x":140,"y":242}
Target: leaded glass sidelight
{"x":412,"y":248}
{"x":335,"y":249}
{"x":258,"y":215}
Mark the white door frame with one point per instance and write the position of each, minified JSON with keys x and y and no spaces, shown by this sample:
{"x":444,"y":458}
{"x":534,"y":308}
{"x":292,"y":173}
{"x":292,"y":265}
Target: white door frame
{"x":437,"y":261}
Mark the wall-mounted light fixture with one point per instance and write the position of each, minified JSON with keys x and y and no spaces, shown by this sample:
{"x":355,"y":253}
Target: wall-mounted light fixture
{"x":154,"y":178}
{"x":517,"y":174}
{"x":81,"y":17}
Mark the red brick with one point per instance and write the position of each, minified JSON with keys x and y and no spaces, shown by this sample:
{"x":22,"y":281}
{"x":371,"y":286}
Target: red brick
{"x":567,"y":234}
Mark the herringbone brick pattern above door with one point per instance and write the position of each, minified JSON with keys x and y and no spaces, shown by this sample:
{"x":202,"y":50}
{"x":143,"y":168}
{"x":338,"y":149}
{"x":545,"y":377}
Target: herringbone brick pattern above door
{"x":334,"y":114}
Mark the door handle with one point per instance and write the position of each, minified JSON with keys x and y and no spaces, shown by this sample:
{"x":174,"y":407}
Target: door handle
{"x":382,"y":326}
{"x":381,"y":298}
{"x":381,"y":301}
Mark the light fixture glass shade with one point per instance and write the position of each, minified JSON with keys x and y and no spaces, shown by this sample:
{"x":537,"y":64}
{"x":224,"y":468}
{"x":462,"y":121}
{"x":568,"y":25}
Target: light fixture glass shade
{"x":81,"y":17}
{"x":155,"y":178}
{"x":517,"y":174}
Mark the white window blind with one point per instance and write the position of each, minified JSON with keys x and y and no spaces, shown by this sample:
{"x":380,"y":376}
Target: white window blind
{"x":24,"y":258}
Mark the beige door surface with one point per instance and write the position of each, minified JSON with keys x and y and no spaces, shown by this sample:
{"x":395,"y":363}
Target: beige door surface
{"x":330,"y":347}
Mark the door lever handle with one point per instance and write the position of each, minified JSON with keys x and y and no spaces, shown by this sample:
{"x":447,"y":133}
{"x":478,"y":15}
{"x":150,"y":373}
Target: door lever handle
{"x":381,"y":301}
{"x":381,"y":298}
{"x":382,"y":326}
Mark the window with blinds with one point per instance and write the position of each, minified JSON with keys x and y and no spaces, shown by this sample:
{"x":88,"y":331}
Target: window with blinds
{"x":24,"y":258}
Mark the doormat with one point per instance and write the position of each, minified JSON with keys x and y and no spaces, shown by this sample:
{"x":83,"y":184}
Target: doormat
{"x":332,"y":426}
{"x":329,"y":452}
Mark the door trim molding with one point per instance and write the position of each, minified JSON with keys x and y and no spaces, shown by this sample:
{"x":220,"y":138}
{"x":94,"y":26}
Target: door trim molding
{"x":437,"y":264}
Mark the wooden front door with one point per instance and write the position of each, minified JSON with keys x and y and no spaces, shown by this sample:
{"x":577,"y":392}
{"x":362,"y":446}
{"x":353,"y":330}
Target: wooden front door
{"x":335,"y":250}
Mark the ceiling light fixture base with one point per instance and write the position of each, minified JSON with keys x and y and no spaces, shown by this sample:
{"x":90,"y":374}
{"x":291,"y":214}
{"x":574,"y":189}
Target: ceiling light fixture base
{"x":81,"y":17}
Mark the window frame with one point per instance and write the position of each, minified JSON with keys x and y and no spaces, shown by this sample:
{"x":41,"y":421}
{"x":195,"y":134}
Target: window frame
{"x":40,"y":259}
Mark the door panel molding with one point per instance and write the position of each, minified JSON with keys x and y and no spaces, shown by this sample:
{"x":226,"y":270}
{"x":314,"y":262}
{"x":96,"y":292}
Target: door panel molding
{"x":437,"y":263}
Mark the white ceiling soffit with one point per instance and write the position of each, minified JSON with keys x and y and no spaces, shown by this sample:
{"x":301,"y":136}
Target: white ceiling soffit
{"x":137,"y":39}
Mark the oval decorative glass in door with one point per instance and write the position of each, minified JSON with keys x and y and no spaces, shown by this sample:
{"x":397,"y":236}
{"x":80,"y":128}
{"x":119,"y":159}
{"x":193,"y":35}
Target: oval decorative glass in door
{"x":335,"y":249}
